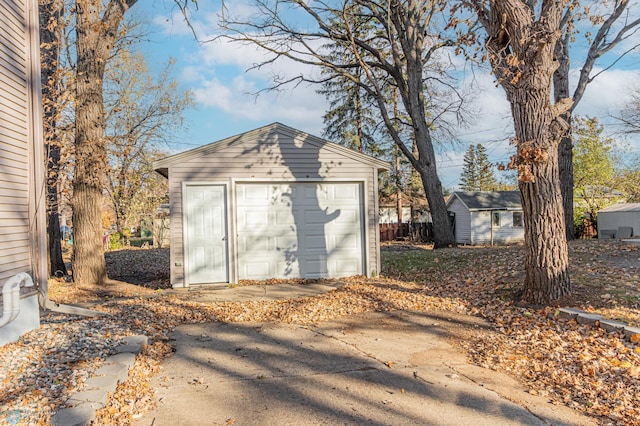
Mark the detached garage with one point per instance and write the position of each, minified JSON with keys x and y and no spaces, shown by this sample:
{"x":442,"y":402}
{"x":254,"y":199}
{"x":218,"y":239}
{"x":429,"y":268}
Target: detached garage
{"x":274,"y":202}
{"x":619,"y":221}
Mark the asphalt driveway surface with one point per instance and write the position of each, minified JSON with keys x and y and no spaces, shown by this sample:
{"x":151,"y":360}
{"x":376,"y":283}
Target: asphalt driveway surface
{"x":397,"y":368}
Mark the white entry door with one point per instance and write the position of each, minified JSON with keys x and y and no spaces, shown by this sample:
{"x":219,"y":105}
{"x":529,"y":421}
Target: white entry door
{"x":206,"y":234}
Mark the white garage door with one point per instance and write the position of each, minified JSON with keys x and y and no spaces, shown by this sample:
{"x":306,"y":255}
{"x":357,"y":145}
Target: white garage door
{"x":304,"y":229}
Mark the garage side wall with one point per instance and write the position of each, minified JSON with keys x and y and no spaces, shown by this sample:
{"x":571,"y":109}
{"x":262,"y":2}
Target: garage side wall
{"x":463,"y":221}
{"x":275,"y":156}
{"x":611,"y":221}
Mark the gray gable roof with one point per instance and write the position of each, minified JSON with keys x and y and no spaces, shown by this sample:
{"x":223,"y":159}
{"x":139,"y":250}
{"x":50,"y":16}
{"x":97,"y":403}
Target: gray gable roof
{"x":497,"y":200}
{"x":162,"y":165}
{"x":622,"y":207}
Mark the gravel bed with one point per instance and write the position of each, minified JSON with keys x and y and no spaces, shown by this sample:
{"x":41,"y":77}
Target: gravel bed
{"x":42,"y":369}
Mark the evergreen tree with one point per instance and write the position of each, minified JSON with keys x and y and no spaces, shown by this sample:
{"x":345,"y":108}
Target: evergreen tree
{"x":469,"y":176}
{"x":350,"y":121}
{"x":486,"y":179}
{"x":477,"y":172}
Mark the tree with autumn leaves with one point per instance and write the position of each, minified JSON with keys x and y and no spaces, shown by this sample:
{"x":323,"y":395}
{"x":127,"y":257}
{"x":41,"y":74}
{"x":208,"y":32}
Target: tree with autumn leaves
{"x":526,"y":45}
{"x":97,"y":148}
{"x":520,"y":46}
{"x":142,"y":114}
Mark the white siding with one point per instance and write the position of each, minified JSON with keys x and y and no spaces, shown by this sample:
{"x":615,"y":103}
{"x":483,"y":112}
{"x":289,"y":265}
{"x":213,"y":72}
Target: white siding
{"x":614,"y":220}
{"x":463,"y":221}
{"x":15,"y":140}
{"x":506,"y":232}
{"x":22,"y":208}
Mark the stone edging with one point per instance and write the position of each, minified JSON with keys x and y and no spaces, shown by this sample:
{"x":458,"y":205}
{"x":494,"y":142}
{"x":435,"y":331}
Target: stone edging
{"x":82,"y":406}
{"x":631,"y":333}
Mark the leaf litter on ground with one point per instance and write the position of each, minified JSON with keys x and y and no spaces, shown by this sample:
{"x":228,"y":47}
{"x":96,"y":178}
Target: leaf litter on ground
{"x":583,"y":367}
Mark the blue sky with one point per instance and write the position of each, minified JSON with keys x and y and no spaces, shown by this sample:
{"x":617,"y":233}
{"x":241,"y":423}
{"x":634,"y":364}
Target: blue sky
{"x":217,"y":74}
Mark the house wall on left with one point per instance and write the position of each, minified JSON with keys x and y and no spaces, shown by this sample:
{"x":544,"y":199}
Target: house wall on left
{"x":22,"y":204}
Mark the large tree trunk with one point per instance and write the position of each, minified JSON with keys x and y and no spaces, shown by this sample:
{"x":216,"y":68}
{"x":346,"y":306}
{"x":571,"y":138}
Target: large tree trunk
{"x":90,"y":153}
{"x":88,"y":256}
{"x":96,"y":35}
{"x":522,"y":53}
{"x":50,"y":38}
{"x":414,"y":102}
{"x":442,"y":231}
{"x":547,"y":259}
{"x":565,"y":149}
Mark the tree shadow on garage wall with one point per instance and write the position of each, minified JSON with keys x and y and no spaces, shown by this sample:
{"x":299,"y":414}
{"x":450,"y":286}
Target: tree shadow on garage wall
{"x":301,"y":158}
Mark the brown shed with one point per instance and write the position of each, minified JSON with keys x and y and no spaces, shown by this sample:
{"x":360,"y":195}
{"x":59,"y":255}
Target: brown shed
{"x":274,"y":202}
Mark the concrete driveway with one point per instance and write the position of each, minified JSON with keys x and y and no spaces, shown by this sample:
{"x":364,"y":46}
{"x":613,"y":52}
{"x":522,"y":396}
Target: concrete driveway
{"x":395,"y":368}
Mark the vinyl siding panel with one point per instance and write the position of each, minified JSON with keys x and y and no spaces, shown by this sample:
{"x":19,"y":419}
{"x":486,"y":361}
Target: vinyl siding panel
{"x":16,"y":141}
{"x":505,"y":233}
{"x":614,"y":220}
{"x":22,"y":205}
{"x":463,"y":221}
{"x":277,"y":156}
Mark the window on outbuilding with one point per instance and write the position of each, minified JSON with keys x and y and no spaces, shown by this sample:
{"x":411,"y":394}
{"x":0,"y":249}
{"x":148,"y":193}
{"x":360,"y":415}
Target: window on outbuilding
{"x":517,"y":220}
{"x":495,"y":218}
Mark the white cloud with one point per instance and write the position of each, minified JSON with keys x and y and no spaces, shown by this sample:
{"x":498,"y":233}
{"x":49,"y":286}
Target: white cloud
{"x":189,"y":74}
{"x":223,"y":78}
{"x":300,"y":107}
{"x":608,"y":93}
{"x":493,"y":125}
{"x":172,"y":24}
{"x":214,"y":94}
{"x":224,"y":52}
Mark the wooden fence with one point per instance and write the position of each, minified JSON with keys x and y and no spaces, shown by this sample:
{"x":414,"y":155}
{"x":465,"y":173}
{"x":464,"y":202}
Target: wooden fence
{"x":415,"y":232}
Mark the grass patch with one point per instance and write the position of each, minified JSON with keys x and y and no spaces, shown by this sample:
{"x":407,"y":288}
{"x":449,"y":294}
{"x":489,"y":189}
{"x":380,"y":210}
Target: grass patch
{"x":405,"y":263}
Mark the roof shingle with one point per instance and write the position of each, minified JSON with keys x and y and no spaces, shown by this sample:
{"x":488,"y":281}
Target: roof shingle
{"x":496,"y":200}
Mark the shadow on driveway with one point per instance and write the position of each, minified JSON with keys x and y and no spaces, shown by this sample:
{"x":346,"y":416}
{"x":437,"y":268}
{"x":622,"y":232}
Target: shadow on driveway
{"x":376,"y":368}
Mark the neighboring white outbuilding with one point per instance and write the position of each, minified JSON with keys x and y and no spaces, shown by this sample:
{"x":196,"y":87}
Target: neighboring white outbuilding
{"x":487,"y":217}
{"x":273,"y":202}
{"x":619,"y":221}
{"x":23,"y":242}
{"x":390,"y":214}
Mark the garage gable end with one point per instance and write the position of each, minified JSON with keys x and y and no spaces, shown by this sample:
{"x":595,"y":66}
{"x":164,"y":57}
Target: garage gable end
{"x":273,"y":147}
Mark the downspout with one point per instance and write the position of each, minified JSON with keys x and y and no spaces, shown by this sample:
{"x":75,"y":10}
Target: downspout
{"x":49,"y":305}
{"x":11,"y":296}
